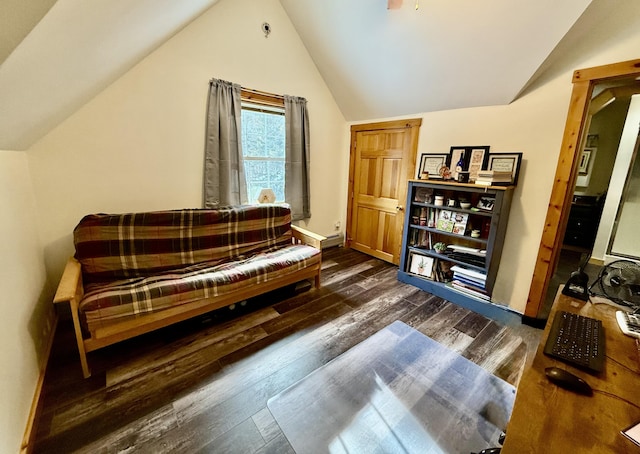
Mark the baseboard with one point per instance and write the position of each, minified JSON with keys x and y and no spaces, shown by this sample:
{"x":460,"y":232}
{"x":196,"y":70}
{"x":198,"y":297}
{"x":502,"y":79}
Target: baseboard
{"x":30,"y":430}
{"x":597,"y":262}
{"x":333,"y":240}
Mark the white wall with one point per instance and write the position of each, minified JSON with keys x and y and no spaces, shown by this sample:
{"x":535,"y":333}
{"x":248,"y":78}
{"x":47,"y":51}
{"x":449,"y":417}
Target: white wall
{"x":22,"y":279}
{"x":534,"y":125}
{"x":138,"y":146}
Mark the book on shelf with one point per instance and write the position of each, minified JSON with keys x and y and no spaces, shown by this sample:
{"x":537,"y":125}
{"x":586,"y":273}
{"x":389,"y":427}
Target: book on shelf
{"x":420,"y":239}
{"x":464,"y":288}
{"x":467,"y":258}
{"x":470,"y":282}
{"x":469,"y":274}
{"x":443,"y":271}
{"x":468,"y":250}
{"x":489,"y":177}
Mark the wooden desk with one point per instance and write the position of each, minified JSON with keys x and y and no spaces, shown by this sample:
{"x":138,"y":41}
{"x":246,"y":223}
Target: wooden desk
{"x":549,"y":419}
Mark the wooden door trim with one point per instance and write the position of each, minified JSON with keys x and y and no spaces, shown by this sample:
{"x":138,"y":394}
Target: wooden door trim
{"x":413,"y":124}
{"x":584,"y":80}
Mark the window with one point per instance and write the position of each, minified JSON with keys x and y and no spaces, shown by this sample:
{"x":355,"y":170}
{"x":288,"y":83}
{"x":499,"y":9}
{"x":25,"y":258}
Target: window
{"x":265,"y":133}
{"x":263,"y":149}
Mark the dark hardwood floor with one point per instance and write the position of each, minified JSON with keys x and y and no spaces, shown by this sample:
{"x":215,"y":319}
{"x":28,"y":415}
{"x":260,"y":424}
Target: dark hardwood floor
{"x":203,"y":385}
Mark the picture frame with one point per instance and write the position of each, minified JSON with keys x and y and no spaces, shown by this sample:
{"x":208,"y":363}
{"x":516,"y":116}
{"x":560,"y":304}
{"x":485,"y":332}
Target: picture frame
{"x":486,"y":203}
{"x":445,"y":221}
{"x":475,"y":159}
{"x":454,"y":156}
{"x":478,"y":159}
{"x":506,"y":162}
{"x":459,"y":223}
{"x":431,"y":163}
{"x":421,"y":265}
{"x":583,"y":165}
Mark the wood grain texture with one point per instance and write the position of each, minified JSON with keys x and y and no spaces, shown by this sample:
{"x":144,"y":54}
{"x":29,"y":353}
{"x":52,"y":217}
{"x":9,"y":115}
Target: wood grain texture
{"x":203,"y":384}
{"x":547,"y":416}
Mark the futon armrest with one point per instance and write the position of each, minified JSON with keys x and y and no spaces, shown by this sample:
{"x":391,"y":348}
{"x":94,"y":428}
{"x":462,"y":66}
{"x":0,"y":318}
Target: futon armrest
{"x":307,"y":237}
{"x":70,"y":284}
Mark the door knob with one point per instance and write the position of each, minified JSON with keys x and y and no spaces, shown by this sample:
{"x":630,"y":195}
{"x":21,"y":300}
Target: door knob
{"x":399,"y":208}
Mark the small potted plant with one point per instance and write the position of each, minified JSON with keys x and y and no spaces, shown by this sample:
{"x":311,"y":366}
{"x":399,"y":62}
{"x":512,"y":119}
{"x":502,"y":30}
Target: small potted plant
{"x":439,"y":247}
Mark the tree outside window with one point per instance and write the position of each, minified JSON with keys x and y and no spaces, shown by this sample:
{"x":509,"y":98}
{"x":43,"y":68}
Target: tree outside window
{"x":263,"y":150}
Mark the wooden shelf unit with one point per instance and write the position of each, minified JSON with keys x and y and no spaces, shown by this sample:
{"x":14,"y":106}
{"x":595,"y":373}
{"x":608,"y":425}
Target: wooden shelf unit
{"x":419,"y":235}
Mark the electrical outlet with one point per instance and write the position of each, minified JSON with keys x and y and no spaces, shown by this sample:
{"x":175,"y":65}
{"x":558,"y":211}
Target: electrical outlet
{"x":336,"y":226}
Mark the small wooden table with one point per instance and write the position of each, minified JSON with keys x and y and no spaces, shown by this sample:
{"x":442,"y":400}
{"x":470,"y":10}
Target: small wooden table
{"x":549,"y":419}
{"x":398,"y":391}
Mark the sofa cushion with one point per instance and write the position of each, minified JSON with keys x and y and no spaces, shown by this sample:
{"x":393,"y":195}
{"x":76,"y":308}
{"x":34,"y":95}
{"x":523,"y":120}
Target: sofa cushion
{"x":105,"y":304}
{"x":121,"y":246}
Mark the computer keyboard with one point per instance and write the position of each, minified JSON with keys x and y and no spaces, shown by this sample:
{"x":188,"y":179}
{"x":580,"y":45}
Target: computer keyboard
{"x":577,"y":340}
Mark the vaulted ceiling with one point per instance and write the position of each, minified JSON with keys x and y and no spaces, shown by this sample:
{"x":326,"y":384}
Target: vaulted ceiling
{"x":377,"y":62}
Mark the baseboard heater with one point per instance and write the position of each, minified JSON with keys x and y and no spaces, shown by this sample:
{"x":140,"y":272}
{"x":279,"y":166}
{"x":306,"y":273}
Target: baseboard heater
{"x":333,"y":240}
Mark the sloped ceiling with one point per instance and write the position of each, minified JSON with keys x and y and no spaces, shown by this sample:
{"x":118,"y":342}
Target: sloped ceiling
{"x":377,"y":62}
{"x":446,"y":54}
{"x":76,"y":50}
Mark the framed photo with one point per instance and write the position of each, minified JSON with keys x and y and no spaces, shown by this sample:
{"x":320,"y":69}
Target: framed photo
{"x":478,"y":157}
{"x":459,"y":223}
{"x":506,"y":162}
{"x":486,"y":203}
{"x":454,"y":157}
{"x":583,"y":165}
{"x":421,"y":265}
{"x":431,"y":163}
{"x":446,"y":221}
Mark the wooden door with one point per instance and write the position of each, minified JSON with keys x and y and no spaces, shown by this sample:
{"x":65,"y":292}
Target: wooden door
{"x":383,"y":157}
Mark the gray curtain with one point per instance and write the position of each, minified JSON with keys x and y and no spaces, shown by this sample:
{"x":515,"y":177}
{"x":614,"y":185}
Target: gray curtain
{"x":296,"y":186}
{"x":224,"y":179}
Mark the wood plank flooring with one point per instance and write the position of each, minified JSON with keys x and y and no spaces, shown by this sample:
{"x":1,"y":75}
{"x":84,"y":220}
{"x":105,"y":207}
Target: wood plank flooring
{"x":202,"y":385}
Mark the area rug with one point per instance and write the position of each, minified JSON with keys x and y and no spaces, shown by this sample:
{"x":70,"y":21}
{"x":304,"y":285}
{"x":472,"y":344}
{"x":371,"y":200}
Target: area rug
{"x":397,"y":391}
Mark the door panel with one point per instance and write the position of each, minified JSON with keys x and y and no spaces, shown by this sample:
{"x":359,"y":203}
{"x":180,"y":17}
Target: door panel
{"x":382,"y":160}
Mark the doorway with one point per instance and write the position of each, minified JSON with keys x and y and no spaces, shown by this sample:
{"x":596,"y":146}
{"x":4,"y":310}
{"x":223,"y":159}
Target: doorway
{"x":586,"y":83}
{"x":607,"y":117}
{"x":382,"y":160}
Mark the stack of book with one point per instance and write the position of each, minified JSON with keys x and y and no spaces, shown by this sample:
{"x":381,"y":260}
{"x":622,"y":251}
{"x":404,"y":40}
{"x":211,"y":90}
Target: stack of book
{"x":491,"y":177}
{"x":466,"y":254}
{"x":470,"y":282}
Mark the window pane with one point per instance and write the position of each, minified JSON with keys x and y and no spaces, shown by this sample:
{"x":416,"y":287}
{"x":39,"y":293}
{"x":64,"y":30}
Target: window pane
{"x":263,"y":141}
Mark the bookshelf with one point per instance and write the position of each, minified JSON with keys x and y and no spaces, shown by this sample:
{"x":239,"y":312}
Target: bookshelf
{"x":471,"y":220}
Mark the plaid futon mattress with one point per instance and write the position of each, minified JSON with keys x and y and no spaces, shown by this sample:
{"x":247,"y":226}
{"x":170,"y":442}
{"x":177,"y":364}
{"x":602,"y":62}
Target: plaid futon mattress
{"x":105,"y":304}
{"x":122,"y":246}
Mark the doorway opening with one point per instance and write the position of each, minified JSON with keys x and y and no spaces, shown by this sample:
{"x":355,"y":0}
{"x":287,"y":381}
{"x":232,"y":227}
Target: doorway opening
{"x":586,"y":239}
